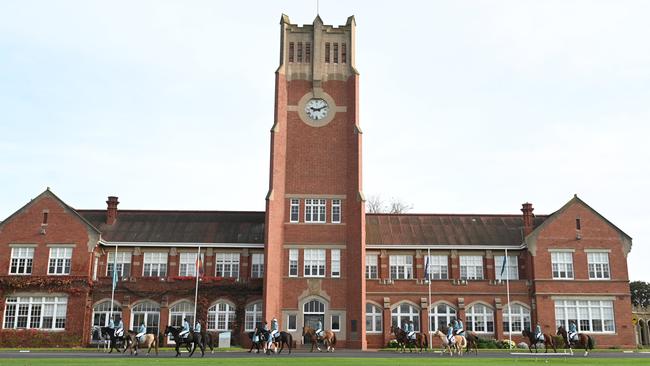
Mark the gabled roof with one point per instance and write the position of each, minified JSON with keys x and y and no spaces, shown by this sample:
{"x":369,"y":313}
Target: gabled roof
{"x":180,"y":226}
{"x":49,"y":193}
{"x":445,"y":229}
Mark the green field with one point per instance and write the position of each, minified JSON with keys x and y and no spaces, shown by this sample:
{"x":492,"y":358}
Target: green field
{"x":323,"y":361}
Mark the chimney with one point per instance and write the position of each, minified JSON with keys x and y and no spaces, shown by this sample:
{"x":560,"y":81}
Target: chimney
{"x":527,"y":209}
{"x":111,"y":210}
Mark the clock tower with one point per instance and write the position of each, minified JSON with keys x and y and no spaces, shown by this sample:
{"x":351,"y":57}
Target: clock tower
{"x":315,"y":213}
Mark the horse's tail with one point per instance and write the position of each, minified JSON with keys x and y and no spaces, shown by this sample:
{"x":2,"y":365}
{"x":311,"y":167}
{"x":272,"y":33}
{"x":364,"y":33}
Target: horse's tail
{"x":333,"y":340}
{"x":590,"y":342}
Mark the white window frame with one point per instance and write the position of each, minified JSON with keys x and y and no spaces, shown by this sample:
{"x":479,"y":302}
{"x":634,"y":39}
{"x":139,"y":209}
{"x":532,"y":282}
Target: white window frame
{"x":314,"y":262}
{"x":335,"y":259}
{"x":187,"y":264}
{"x":438,"y":267}
{"x":295,"y":322}
{"x":585,"y":313}
{"x":520,"y":317}
{"x":123,"y":264}
{"x":293,"y":262}
{"x":149,"y":313}
{"x":374,"y":316}
{"x":102,"y":315}
{"x":227,"y":265}
{"x":471,"y":267}
{"x":562,"y":265}
{"x":397,"y":315}
{"x":257,"y":265}
{"x":180,"y":311}
{"x":294,"y":210}
{"x":60,"y":260}
{"x":479,"y":316}
{"x":253,"y":316}
{"x":35,"y":311}
{"x":401,"y":267}
{"x":315,"y":210}
{"x":338,"y":318}
{"x":156,"y":263}
{"x":336,"y":211}
{"x":372,"y":267}
{"x":435,"y":315}
{"x":598,"y":266}
{"x":220,"y":316}
{"x":22,"y":260}
{"x":512,"y":268}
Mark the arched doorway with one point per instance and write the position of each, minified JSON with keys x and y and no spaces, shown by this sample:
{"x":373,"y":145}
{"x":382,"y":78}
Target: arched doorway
{"x":313,"y":311}
{"x":643,"y":332}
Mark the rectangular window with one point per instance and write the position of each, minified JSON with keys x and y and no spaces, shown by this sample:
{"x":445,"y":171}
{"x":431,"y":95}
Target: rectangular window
{"x":187,"y":265}
{"x":314,"y":262}
{"x":438,"y":267}
{"x":123,"y":264}
{"x":588,"y":315}
{"x":344,"y":53}
{"x":598,"y":265}
{"x":315,"y":210}
{"x":294,"y":215}
{"x":291,"y":323}
{"x":293,"y":262}
{"x":327,"y":52}
{"x":291,"y":51}
{"x":227,"y":265}
{"x":562,"y":265}
{"x":401,"y":267}
{"x":511,"y":269}
{"x":22,"y":260}
{"x":307,"y":52}
{"x":336,"y":53}
{"x":35,"y":312}
{"x":336,"y":262}
{"x":336,"y":211}
{"x":299,"y":52}
{"x":257,"y":268}
{"x":154,"y":264}
{"x":471,"y":267}
{"x":371,"y":267}
{"x":336,"y":323}
{"x":60,"y":259}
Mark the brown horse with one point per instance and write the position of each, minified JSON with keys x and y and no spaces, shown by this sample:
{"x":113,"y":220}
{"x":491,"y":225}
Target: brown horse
{"x":458,"y":346}
{"x":148,"y":341}
{"x":470,"y":337}
{"x":420,"y":341}
{"x":329,"y":338}
{"x":584,"y":340}
{"x":533,"y":341}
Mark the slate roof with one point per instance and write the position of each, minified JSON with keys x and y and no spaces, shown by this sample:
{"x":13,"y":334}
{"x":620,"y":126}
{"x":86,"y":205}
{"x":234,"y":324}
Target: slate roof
{"x":180,"y":226}
{"x":445,"y":229}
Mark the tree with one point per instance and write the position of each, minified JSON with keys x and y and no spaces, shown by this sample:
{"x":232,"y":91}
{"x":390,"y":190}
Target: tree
{"x":376,"y":204}
{"x":640,"y":293}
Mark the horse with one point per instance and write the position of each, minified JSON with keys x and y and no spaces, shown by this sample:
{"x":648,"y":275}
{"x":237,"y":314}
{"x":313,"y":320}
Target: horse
{"x":283,"y":338}
{"x":470,"y":337}
{"x":148,"y":341}
{"x":114,"y":340}
{"x":584,"y":340}
{"x":329,"y":338}
{"x":402,"y":338}
{"x":208,"y":340}
{"x":458,"y":346}
{"x":533,"y":341}
{"x":192,"y":340}
{"x":256,"y":340}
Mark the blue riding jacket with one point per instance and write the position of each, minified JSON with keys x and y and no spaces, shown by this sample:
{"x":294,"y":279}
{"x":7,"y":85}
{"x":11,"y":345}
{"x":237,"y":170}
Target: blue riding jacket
{"x":197,"y":327}
{"x":186,"y":326}
{"x":572,"y":328}
{"x":111,"y":324}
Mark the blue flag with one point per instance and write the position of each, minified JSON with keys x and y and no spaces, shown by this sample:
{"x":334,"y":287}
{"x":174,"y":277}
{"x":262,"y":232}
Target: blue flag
{"x":427,"y":272}
{"x":115,"y":273}
{"x":503,"y":266}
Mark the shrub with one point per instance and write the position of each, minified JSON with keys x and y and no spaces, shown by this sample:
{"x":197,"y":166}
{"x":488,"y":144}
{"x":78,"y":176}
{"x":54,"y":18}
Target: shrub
{"x":506,"y":344}
{"x":487,"y":343}
{"x":392,"y":343}
{"x":34,"y":338}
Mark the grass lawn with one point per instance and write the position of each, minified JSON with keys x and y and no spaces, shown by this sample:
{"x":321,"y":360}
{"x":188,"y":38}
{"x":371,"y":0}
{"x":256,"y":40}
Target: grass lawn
{"x":324,"y":361}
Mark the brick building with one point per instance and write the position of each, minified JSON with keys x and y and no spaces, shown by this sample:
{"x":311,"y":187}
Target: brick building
{"x":329,"y":260}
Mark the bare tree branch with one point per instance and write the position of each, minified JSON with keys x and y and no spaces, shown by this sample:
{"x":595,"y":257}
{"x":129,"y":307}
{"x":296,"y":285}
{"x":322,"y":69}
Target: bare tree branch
{"x":376,"y":204}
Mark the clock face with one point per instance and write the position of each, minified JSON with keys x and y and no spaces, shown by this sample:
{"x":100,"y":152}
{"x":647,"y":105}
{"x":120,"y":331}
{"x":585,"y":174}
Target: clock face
{"x":316,"y":109}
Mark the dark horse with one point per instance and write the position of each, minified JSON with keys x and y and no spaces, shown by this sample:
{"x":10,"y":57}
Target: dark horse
{"x":403,"y":341}
{"x":122,"y":341}
{"x":584,"y":340}
{"x":533,"y":341}
{"x":192,"y":340}
{"x":259,"y":338}
{"x":471,"y":337}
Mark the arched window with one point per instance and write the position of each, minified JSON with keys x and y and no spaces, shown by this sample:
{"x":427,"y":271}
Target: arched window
{"x":180,"y":311}
{"x":253,"y":316}
{"x":102,"y":314}
{"x":520,"y":317}
{"x":147,"y":312}
{"x":404,"y":312}
{"x":480,"y":319}
{"x":441,"y":316}
{"x":373,"y":318}
{"x":314,"y":307}
{"x":220,"y":316}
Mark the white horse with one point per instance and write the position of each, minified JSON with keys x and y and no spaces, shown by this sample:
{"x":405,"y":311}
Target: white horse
{"x":457,"y":346}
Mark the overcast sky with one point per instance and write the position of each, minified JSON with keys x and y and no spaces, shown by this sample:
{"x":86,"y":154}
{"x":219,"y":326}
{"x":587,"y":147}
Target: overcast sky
{"x":466,"y":106}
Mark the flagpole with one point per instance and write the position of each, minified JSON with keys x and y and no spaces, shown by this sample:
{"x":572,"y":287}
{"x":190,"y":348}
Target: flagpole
{"x":508,"y":295}
{"x":196,"y":290}
{"x":114,"y":280}
{"x":427,"y":271}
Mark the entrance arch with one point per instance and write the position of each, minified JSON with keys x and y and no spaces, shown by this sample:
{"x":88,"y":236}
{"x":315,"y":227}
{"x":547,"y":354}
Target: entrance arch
{"x":313,"y":312}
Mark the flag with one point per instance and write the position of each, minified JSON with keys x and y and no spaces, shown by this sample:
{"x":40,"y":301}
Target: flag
{"x":115,"y":274}
{"x":199,"y":266}
{"x":427,"y":272}
{"x":503,"y":266}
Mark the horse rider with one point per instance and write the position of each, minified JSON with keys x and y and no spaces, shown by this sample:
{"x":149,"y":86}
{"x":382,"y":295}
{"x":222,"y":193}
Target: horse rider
{"x":274,"y":331}
{"x":458,"y":327}
{"x":450,"y":333}
{"x":186,"y":329}
{"x":405,"y":326}
{"x":573,"y":331}
{"x":319,"y":329}
{"x":119,"y":332}
{"x":538,"y":333}
{"x":197,"y":327}
{"x":141,"y":332}
{"x":111,"y":324}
